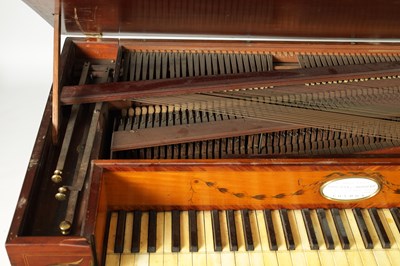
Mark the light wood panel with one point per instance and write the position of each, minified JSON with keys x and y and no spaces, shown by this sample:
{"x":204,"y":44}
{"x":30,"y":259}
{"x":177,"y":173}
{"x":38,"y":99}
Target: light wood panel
{"x":238,"y":184}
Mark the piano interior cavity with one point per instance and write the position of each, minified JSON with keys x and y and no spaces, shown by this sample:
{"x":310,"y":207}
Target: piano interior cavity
{"x":313,"y":152}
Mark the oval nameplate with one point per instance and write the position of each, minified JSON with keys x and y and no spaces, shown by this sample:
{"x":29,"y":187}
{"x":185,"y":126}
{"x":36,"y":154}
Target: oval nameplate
{"x":350,"y":188}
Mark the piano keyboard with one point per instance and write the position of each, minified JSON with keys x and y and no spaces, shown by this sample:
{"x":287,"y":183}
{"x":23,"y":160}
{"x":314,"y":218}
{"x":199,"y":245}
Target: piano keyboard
{"x":254,"y":237}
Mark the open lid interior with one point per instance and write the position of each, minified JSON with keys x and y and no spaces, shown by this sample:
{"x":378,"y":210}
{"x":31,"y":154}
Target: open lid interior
{"x":233,"y":19}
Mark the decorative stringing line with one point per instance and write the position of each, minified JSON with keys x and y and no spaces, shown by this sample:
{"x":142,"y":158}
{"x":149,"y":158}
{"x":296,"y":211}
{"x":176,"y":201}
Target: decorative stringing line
{"x":347,"y":121}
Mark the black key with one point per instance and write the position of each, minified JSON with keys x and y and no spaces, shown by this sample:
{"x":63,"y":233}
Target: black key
{"x":396,"y":216}
{"x":362,"y":227}
{"x":176,"y":231}
{"x":137,"y":221}
{"x":120,"y":233}
{"x":380,"y":230}
{"x":287,"y":230}
{"x":230,"y":220}
{"x":312,"y":238}
{"x":216,"y":228}
{"x":248,"y":237}
{"x":269,"y":224}
{"x":344,"y":240}
{"x":193,"y":242}
{"x":152,"y":232}
{"x":326,"y":231}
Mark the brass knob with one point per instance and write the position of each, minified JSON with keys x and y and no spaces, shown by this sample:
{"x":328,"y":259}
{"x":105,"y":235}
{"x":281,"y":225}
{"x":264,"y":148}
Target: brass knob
{"x":56,"y":177}
{"x":61,"y":195}
{"x":65,"y":227}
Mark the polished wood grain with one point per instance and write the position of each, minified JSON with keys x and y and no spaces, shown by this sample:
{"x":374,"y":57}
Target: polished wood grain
{"x":238,"y":184}
{"x":96,"y":49}
{"x":150,"y":137}
{"x":56,"y":73}
{"x":176,"y":86}
{"x":18,"y":240}
{"x":58,"y":251}
{"x":304,"y":18}
{"x":229,"y":184}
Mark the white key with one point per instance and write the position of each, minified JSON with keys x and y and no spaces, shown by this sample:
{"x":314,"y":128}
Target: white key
{"x":128,"y":258}
{"x":325,"y":255}
{"x":256,"y":256}
{"x":143,"y":232}
{"x":367,"y":256}
{"x":339,"y":255}
{"x":184,"y":256}
{"x":128,"y":232}
{"x":311,"y":256}
{"x":297,"y":254}
{"x":269,"y":257}
{"x":283,"y":255}
{"x":170,"y":258}
{"x":371,"y":230}
{"x":112,"y":258}
{"x":227,"y":256}
{"x":224,"y":232}
{"x":381,"y":257}
{"x":391,"y":228}
{"x":241,"y":256}
{"x":379,"y":253}
{"x":199,"y":257}
{"x":352,"y":254}
{"x":394,"y":236}
{"x":213,"y":258}
{"x":157,"y":258}
{"x":184,"y":230}
{"x":160,"y":232}
{"x":142,"y":258}
{"x":280,"y":237}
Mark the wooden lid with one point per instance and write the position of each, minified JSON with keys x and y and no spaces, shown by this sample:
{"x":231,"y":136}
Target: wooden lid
{"x":253,"y":18}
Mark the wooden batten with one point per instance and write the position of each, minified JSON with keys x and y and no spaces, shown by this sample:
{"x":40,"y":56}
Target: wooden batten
{"x":56,"y":74}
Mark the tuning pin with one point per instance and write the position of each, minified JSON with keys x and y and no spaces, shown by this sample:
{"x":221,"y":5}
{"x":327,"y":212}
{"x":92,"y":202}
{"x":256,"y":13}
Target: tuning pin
{"x":61,"y":195}
{"x":56,"y":177}
{"x":65,"y":227}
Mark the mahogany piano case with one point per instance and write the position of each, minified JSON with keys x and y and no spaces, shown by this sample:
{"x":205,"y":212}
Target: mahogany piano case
{"x":217,"y":132}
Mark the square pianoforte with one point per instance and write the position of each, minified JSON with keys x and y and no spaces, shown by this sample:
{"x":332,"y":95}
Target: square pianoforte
{"x":219,"y":133}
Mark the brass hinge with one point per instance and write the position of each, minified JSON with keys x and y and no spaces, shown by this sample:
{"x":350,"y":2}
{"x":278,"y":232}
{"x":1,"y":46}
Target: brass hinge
{"x":93,"y":36}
